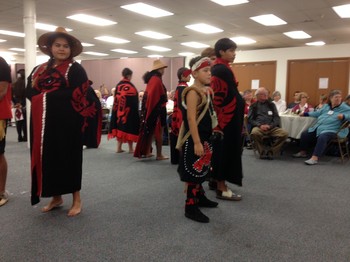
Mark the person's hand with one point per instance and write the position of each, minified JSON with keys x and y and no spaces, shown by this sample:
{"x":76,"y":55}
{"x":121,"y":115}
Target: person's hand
{"x":340,"y":116}
{"x":217,"y":135}
{"x":198,"y":149}
{"x":301,"y":114}
{"x":264,"y":127}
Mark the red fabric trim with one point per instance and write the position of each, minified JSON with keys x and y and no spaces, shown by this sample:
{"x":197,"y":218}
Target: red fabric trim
{"x":36,"y":163}
{"x":126,"y":137}
{"x":222,"y":61}
{"x":5,"y":104}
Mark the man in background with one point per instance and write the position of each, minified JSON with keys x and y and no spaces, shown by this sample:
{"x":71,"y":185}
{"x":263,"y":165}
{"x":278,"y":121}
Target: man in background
{"x":19,"y":102}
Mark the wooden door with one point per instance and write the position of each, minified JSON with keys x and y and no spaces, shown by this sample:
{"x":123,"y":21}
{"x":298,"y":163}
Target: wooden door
{"x":306,"y":75}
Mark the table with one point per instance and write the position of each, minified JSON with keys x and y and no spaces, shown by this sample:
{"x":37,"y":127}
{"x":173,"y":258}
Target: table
{"x":295,"y":124}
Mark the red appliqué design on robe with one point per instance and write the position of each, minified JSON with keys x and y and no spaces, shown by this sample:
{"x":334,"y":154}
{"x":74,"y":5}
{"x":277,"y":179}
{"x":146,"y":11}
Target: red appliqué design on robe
{"x":224,"y":112}
{"x":204,"y":160}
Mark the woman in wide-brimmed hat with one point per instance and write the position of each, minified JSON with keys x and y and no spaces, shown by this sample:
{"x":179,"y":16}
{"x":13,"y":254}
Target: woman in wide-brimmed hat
{"x":153,"y":113}
{"x":59,"y":112}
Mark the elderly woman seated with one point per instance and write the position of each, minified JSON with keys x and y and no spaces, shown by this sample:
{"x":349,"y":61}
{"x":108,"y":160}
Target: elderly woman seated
{"x":329,"y":119}
{"x":303,"y":106}
{"x":280,"y":104}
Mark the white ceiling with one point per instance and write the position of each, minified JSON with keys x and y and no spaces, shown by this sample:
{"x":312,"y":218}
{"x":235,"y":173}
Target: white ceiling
{"x":315,"y":17}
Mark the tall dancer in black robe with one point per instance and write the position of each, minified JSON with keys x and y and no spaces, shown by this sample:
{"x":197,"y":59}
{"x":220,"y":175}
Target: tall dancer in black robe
{"x":229,"y":106}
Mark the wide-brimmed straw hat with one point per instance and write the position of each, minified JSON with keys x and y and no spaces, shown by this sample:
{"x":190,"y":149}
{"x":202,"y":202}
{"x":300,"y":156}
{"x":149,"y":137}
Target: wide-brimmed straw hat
{"x":157,"y":64}
{"x":76,"y":48}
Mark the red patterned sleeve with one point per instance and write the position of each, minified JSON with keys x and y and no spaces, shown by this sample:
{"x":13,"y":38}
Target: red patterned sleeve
{"x":224,"y":108}
{"x":78,"y":80}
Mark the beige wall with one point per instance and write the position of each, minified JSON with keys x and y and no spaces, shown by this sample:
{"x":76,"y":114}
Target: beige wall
{"x":108,"y":72}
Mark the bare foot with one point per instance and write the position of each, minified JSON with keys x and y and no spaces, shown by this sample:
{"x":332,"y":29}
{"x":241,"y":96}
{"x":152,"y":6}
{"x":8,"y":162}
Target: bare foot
{"x":162,"y":157}
{"x":55,"y":202}
{"x":120,"y":151}
{"x":131,"y":151}
{"x":75,"y":210}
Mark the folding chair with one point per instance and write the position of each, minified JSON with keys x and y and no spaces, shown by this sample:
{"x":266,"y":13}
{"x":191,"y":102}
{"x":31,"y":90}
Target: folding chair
{"x":342,"y":142}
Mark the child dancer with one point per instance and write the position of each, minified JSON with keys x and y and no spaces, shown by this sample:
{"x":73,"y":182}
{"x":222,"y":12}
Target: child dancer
{"x":196,"y":149}
{"x":184,"y":76}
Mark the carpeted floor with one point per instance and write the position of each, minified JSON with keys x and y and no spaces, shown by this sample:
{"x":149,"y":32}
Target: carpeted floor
{"x":133,"y":211}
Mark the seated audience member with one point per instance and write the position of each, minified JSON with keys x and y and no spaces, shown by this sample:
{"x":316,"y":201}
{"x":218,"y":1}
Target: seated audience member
{"x":110,"y":99}
{"x":99,"y":95}
{"x":329,"y":119}
{"x":248,"y":98}
{"x":296,"y":100}
{"x":303,"y":106}
{"x":140,"y":99}
{"x":265,"y":121}
{"x":323,"y":101}
{"x":280,"y":104}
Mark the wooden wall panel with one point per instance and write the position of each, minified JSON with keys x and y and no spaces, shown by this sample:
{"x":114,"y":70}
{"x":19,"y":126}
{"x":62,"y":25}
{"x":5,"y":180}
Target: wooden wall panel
{"x":304,"y":75}
{"x":265,"y":72}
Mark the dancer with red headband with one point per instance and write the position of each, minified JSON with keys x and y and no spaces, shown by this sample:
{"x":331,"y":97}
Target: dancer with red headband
{"x":194,"y":139}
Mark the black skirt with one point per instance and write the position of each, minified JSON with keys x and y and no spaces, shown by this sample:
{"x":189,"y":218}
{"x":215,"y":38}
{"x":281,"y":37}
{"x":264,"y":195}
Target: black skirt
{"x":193,"y":168}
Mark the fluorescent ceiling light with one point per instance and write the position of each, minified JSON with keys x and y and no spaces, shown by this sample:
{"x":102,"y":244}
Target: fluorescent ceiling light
{"x":152,"y":34}
{"x":5,"y":53}
{"x":268,"y":20}
{"x":297,"y":34}
{"x":111,"y":39}
{"x":87,"y":44}
{"x":155,"y":56}
{"x":195,"y":44}
{"x":124,"y":57}
{"x":147,"y":10}
{"x":124,"y":51}
{"x":156,"y":48}
{"x":242,"y":40}
{"x":317,"y":43}
{"x":17,"y":49}
{"x":2,"y":40}
{"x":11,"y":33}
{"x":204,"y":28}
{"x":48,"y":27}
{"x":230,"y":2}
{"x":93,"y":20}
{"x":342,"y":10}
{"x":95,"y":53}
{"x":186,"y":54}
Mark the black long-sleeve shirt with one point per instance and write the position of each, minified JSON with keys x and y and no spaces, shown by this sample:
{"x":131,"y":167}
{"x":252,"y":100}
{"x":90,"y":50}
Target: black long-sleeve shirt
{"x":263,"y":113}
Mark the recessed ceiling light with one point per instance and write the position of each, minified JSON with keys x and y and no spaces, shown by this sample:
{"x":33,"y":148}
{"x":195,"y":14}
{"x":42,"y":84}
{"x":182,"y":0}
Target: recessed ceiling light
{"x":95,"y":53}
{"x":148,"y":10}
{"x":342,"y":10}
{"x":268,"y":20}
{"x":87,"y":44}
{"x":11,"y":33}
{"x":204,"y":28}
{"x":156,"y":48}
{"x":242,"y":40}
{"x":111,"y":39}
{"x":17,"y":49}
{"x":186,"y":54}
{"x":124,"y":51}
{"x":152,"y":34}
{"x":48,"y":27}
{"x":317,"y":43}
{"x":93,"y":20}
{"x":2,"y":40}
{"x":230,"y":2}
{"x":195,"y":44}
{"x":155,"y":56}
{"x":297,"y":34}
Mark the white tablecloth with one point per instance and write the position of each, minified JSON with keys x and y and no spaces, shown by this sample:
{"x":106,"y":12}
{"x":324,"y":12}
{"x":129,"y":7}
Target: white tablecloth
{"x":295,"y":125}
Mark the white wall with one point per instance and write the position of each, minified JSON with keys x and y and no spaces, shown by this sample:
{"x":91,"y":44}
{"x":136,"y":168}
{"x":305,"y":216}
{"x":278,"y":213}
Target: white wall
{"x":282,"y":55}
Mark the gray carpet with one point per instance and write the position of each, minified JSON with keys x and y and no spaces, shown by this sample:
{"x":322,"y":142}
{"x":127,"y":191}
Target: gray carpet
{"x":133,"y":211}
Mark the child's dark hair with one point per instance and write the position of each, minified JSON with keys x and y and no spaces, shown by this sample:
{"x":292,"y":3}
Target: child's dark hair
{"x":126,"y":72}
{"x":195,"y":60}
{"x":180,"y":72}
{"x":224,"y":44}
